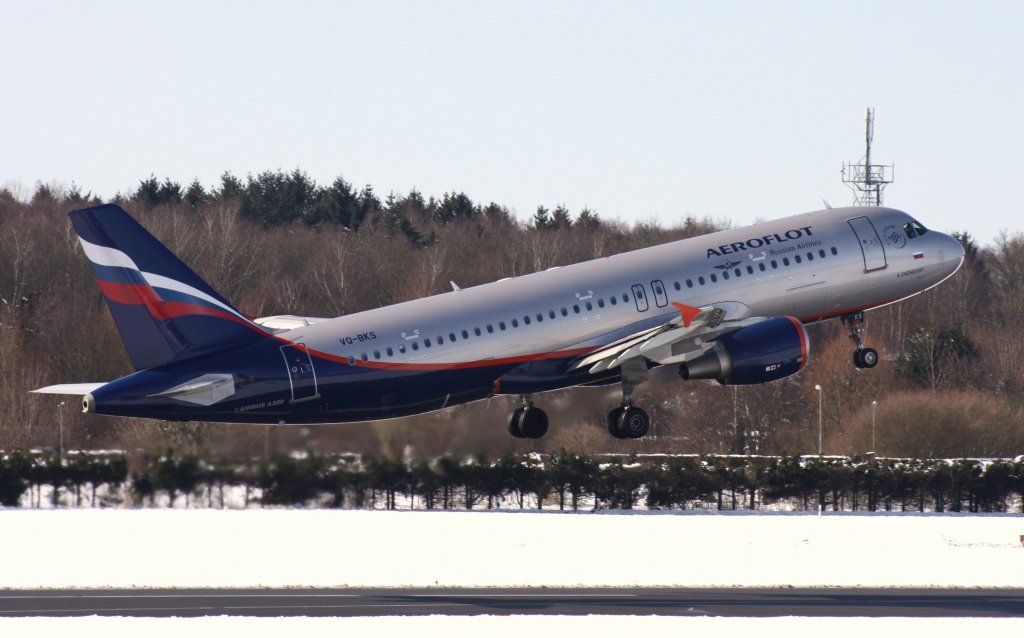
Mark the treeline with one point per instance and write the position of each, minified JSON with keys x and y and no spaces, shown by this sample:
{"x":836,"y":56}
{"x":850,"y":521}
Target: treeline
{"x":564,"y":480}
{"x":950,"y":383}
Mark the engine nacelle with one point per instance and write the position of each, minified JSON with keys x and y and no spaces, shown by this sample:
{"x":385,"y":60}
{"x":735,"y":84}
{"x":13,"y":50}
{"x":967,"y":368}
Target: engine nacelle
{"x":772,"y":349}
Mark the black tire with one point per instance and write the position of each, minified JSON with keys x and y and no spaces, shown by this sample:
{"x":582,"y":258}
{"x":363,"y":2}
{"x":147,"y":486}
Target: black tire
{"x":868,"y":358}
{"x":613,"y":422}
{"x":634,"y":423}
{"x":514,"y":420}
{"x":857,"y":361}
{"x":533,"y":424}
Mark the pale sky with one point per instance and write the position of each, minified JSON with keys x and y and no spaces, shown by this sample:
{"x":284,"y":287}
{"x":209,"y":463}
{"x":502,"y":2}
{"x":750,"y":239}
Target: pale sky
{"x":639,"y":110}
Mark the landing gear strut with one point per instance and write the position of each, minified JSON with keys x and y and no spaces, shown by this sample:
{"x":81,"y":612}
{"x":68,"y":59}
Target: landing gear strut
{"x":527,"y":421}
{"x":862,"y":357}
{"x":628,"y":421}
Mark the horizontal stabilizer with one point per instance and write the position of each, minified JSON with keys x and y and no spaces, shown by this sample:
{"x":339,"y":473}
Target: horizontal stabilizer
{"x":72,"y":389}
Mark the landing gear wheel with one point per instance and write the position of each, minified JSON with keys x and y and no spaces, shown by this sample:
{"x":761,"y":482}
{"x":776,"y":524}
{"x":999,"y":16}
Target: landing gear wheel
{"x":634,"y":422}
{"x":513,"y":423}
{"x":865,"y":358}
{"x":613,"y":422}
{"x":533,"y":423}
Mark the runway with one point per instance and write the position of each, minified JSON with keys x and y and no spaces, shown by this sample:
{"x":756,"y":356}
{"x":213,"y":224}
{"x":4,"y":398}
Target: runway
{"x":997,"y":603}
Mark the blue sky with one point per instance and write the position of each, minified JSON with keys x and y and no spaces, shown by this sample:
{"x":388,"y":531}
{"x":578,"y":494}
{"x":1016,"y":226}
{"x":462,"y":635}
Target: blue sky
{"x":639,"y":110}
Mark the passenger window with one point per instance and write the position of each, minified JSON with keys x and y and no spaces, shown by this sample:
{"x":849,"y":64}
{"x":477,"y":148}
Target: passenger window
{"x":526,"y":319}
{"x":834,"y":251}
{"x":515,"y":323}
{"x":714,"y":278}
{"x":738,"y":272}
{"x":750,"y":270}
{"x":590,"y":306}
{"x":540,"y":317}
{"x":600,"y":303}
{"x":376,"y":354}
{"x":677,"y":286}
{"x":689,"y":283}
{"x":775,"y":264}
{"x":477,"y":331}
{"x":440,"y":340}
{"x":401,"y":348}
{"x":576,"y":308}
{"x":625,"y":298}
{"x":761,"y":267}
{"x":700,"y":280}
{"x":363,"y":356}
{"x":390,"y":352}
{"x":725,"y":274}
{"x":614,"y":300}
{"x":798,"y":260}
{"x":451,"y":336}
{"x":565,"y":312}
{"x":426,"y":342}
{"x":821,"y":253}
{"x":490,"y":328}
{"x":810,"y":256}
{"x":465,"y":334}
{"x":415,"y":345}
{"x":785,"y":261}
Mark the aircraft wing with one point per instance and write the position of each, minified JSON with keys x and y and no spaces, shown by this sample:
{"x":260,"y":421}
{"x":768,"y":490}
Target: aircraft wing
{"x":681,"y":339}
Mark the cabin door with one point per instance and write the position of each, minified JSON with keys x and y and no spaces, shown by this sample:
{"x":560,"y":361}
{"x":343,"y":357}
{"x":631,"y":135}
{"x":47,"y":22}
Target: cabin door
{"x":301,"y":373}
{"x":870,"y":244}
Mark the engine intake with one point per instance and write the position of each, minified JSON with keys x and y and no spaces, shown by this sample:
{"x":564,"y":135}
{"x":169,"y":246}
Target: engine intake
{"x":772,"y":349}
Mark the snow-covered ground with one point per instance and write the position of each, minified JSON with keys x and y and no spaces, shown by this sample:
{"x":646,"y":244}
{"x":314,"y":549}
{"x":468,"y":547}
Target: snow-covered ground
{"x":339,"y":548}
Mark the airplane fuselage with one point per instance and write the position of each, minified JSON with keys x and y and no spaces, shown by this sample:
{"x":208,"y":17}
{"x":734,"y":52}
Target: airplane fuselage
{"x":523,"y":335}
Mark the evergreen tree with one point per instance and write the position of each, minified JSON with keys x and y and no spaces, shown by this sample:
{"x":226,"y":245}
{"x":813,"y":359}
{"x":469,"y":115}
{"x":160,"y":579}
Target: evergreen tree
{"x":196,"y":195}
{"x":560,"y":218}
{"x":541,"y":219}
{"x":587,"y":219}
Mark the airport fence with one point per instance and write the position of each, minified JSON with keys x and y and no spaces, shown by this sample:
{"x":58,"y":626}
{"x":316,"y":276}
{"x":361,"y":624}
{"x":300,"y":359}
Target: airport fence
{"x":563,"y":481}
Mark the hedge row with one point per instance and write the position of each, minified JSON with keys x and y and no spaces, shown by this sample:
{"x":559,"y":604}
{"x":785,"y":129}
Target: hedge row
{"x":570,"y":481}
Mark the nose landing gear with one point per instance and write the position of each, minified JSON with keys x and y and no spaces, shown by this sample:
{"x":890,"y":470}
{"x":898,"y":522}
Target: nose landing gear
{"x":864,"y":358}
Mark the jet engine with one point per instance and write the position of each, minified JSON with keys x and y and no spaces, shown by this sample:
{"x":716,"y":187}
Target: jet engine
{"x":772,"y":349}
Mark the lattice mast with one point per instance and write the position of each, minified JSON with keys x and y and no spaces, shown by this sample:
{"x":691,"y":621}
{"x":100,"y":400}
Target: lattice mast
{"x":867,"y":180}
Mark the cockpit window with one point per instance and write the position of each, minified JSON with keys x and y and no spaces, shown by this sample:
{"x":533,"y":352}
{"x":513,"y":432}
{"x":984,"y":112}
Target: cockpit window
{"x":913,"y":229}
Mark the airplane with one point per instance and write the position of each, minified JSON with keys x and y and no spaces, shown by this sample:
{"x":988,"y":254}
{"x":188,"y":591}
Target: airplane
{"x":729,"y":306}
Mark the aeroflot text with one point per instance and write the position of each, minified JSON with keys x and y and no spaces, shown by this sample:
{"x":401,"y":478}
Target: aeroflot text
{"x":758,"y":242}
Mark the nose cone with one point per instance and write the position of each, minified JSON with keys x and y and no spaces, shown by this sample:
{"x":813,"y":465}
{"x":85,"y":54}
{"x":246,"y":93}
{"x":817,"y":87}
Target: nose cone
{"x":951,"y":254}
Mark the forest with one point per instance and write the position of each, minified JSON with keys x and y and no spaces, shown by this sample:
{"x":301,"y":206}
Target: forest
{"x":949,"y":384}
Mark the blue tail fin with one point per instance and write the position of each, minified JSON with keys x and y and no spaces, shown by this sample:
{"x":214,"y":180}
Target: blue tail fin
{"x":162,"y":309}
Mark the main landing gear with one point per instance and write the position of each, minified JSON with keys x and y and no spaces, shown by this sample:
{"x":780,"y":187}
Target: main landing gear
{"x":527,"y":421}
{"x":628,"y":421}
{"x":862,"y":357}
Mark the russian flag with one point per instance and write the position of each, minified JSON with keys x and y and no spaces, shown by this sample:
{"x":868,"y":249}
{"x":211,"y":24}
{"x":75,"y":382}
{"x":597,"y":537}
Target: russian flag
{"x":918,"y":255}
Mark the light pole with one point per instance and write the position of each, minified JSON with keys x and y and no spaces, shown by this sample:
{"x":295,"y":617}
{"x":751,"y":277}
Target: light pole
{"x":60,"y":420}
{"x":820,"y":431}
{"x":820,"y":428}
{"x":874,"y":404}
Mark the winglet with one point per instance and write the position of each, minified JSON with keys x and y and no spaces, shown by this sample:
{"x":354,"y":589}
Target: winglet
{"x":689,"y":313}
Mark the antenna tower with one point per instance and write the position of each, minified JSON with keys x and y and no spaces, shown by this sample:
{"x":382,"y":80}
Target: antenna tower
{"x":867,"y":180}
